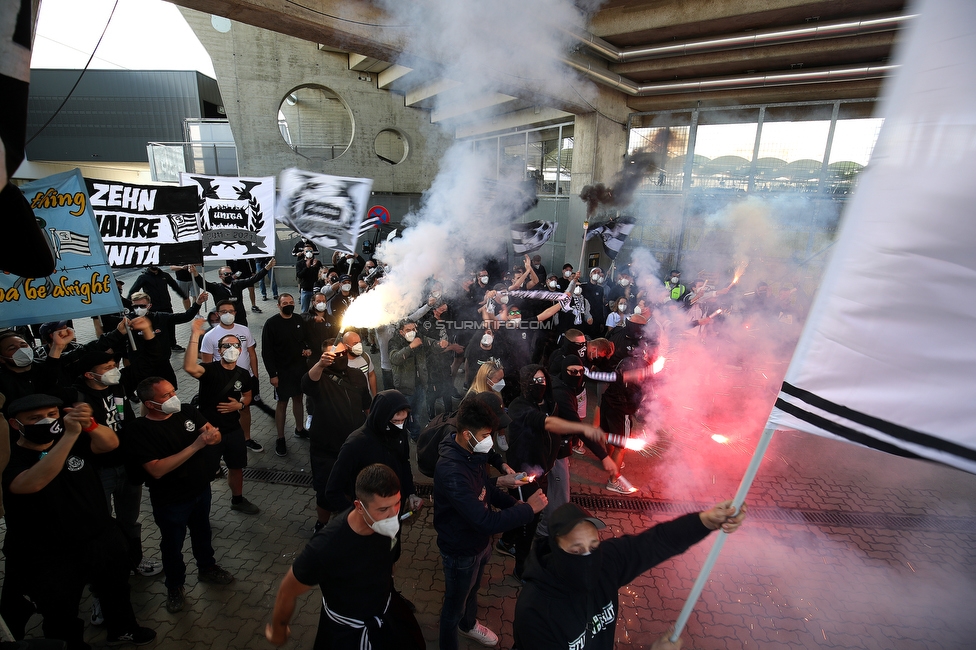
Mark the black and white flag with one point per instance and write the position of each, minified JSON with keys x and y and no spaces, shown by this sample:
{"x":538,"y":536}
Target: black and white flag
{"x":235,"y":215}
{"x":146,"y":224}
{"x":613,"y":233}
{"x":65,"y":241}
{"x":329,"y":210}
{"x":528,"y":237}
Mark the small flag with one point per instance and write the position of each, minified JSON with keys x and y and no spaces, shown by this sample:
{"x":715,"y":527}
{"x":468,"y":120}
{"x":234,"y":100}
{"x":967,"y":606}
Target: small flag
{"x":528,"y":237}
{"x":66,"y":241}
{"x":614,"y":233}
{"x":185,"y":226}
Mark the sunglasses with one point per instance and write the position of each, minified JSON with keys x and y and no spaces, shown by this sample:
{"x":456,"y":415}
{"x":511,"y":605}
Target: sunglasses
{"x":575,"y":373}
{"x":224,"y":346}
{"x":539,"y":380}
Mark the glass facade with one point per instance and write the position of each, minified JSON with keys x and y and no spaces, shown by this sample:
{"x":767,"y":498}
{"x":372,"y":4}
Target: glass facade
{"x":543,"y":154}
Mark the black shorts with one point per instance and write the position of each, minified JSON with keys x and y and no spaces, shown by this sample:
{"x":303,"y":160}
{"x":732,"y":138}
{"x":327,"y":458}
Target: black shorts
{"x":321,"y":470}
{"x":289,"y":383}
{"x":232,"y":448}
{"x":612,"y":419}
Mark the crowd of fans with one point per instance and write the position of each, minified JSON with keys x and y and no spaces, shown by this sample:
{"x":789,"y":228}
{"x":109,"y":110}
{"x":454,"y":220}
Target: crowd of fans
{"x":487,"y":382}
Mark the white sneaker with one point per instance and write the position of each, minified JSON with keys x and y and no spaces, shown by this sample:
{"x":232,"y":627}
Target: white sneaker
{"x":308,"y":422}
{"x":481,"y":634}
{"x":149,"y":567}
{"x":621,"y":486}
{"x":97,"y":618}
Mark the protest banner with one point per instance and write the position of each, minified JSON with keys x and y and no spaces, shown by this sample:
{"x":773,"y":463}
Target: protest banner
{"x":329,"y":210}
{"x":236,"y":215}
{"x":82,"y":283}
{"x":143,"y":224}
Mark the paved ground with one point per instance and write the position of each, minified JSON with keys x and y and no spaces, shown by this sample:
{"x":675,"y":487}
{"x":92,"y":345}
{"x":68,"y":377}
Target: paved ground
{"x":849,"y":548}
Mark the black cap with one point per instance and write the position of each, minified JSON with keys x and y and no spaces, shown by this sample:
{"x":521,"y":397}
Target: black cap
{"x":564,"y":519}
{"x":345,"y":276}
{"x":92,"y":358}
{"x":48,"y":329}
{"x":31,"y":402}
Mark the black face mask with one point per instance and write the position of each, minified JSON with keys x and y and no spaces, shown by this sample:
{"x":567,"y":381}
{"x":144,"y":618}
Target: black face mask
{"x":578,"y":349}
{"x":288,"y":310}
{"x":538,"y":392}
{"x":42,"y":433}
{"x":577,"y":573}
{"x":227,"y":279}
{"x":574,"y":383}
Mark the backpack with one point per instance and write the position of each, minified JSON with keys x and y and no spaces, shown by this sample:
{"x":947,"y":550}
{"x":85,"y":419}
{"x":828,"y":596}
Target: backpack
{"x":429,"y":441}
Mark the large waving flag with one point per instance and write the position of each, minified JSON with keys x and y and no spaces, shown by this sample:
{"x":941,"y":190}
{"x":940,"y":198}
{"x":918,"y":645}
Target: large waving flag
{"x":329,"y":210}
{"x":613,"y":233}
{"x":528,"y":237}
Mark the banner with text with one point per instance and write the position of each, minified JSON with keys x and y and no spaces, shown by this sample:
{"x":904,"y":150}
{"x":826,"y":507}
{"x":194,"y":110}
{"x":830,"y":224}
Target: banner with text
{"x":82,"y":283}
{"x":236,"y":215}
{"x":143,"y":224}
{"x":329,"y":210}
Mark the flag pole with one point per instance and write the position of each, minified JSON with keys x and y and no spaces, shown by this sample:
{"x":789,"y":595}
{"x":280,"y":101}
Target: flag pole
{"x":586,"y":228}
{"x":737,"y":501}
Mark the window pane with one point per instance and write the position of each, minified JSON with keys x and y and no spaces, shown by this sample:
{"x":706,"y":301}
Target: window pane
{"x":791,"y":155}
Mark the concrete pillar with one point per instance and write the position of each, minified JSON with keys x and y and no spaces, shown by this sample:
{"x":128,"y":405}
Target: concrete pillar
{"x":599,"y":146}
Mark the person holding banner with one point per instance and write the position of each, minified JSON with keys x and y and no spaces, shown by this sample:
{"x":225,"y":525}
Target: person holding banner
{"x":233,"y":290}
{"x":570,"y":598}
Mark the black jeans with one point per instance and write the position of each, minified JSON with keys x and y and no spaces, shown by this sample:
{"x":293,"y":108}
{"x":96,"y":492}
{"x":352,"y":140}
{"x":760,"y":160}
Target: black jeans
{"x":173,"y":519}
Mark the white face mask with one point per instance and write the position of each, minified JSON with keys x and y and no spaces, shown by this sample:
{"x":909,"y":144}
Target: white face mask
{"x":596,"y":278}
{"x":498,"y":385}
{"x":483,"y":446}
{"x":227,"y":319}
{"x":141,"y":311}
{"x":345,"y":287}
{"x":320,"y":306}
{"x":577,"y":290}
{"x":22,"y":357}
{"x":170,"y":406}
{"x":357,"y":349}
{"x":230,"y":355}
{"x":436,"y":294}
{"x":388,"y":527}
{"x":553,"y":284}
{"x":483,"y":279}
{"x":487,"y":339}
{"x":515,"y":321}
{"x":398,"y":425}
{"x":622,"y":307}
{"x":503,"y":300}
{"x":410,"y":336}
{"x":638,"y":311}
{"x":566,"y":274}
{"x":308,"y":255}
{"x":110,"y":377}
{"x":624,"y":282}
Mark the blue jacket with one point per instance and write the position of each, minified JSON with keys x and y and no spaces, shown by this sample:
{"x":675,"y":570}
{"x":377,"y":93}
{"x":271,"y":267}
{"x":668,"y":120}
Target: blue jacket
{"x":463,"y":498}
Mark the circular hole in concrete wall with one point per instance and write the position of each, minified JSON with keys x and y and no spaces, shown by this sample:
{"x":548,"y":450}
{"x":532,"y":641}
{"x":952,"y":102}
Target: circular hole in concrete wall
{"x":315,"y":122}
{"x":391,"y":146}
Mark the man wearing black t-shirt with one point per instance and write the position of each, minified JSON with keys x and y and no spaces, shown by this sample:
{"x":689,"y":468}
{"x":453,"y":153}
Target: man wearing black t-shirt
{"x":179,"y":450}
{"x":341,"y":398}
{"x":284,"y":349}
{"x":58,"y":526}
{"x":360,"y":608}
{"x":225,"y":391}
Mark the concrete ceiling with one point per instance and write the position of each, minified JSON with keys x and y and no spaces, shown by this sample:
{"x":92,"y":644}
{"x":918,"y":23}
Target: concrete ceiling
{"x":798,"y":50}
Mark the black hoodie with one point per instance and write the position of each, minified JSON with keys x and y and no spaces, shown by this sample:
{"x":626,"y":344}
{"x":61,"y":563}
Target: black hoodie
{"x":569,"y":602}
{"x":377,"y":441}
{"x":468,"y":507}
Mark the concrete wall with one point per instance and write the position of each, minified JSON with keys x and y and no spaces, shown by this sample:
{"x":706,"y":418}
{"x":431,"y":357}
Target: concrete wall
{"x":257,"y":68}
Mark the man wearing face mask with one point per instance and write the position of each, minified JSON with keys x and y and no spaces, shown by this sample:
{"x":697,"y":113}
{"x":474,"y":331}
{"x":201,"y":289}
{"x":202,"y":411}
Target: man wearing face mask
{"x":225,"y":391}
{"x":360,"y":608}
{"x":382,"y":439}
{"x":180,"y":452}
{"x":307,"y":271}
{"x":469,"y":507}
{"x":337,"y":305}
{"x":51,"y":486}
{"x":101,"y":387}
{"x":534,"y":438}
{"x":284,"y":349}
{"x":572,"y":578}
{"x":480,"y":350}
{"x":594,"y":293}
{"x":233,"y":290}
{"x":566,"y":277}
{"x":341,"y":398}
{"x":157,"y":283}
{"x":164,"y":321}
{"x":676,"y":290}
{"x":248,"y":358}
{"x":359,"y":359}
{"x":623,"y":288}
{"x":408,"y":354}
{"x":20,"y":375}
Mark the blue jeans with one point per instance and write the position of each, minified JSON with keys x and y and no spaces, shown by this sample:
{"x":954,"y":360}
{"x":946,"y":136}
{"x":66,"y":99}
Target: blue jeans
{"x":173,"y":519}
{"x":274,"y":284}
{"x":418,"y":412}
{"x":306,"y":300}
{"x":462,"y":577}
